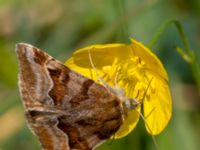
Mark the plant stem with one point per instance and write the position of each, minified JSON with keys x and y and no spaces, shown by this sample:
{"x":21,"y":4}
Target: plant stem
{"x":187,"y":54}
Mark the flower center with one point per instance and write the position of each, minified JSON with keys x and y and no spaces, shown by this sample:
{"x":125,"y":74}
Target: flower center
{"x":132,"y":75}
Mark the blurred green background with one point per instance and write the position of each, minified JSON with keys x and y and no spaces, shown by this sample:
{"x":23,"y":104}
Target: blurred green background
{"x":62,"y":26}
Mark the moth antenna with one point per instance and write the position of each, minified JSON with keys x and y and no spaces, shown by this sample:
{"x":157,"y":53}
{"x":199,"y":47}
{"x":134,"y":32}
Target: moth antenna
{"x":152,"y":136}
{"x":138,"y":93}
{"x":143,"y":118}
{"x":147,"y":89}
{"x":96,"y":72}
{"x":136,"y":101}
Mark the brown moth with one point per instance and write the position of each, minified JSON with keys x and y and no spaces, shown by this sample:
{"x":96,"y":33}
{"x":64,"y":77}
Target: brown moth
{"x":66,"y":110}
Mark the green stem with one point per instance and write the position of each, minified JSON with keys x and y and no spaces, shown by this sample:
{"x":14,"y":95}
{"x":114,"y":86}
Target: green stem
{"x":187,"y":54}
{"x":123,"y":30}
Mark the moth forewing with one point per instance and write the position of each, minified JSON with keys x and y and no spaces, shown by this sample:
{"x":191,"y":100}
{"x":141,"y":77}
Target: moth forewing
{"x":65,"y":109}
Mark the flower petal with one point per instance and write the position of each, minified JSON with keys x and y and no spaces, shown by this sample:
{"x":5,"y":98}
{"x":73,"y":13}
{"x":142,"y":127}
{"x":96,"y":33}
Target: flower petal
{"x":129,"y":124}
{"x":102,"y":55}
{"x":137,"y":65}
{"x":153,"y":63}
{"x":158,"y":109}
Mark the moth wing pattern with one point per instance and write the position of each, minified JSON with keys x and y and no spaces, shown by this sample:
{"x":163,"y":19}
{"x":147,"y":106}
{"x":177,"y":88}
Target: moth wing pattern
{"x":66,"y":110}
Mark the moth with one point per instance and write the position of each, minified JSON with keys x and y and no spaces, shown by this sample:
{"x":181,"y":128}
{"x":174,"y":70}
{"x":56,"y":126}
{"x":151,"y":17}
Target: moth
{"x":66,"y":110}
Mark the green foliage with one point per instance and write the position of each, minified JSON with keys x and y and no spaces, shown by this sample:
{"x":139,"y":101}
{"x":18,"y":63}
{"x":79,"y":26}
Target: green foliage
{"x":60,"y":27}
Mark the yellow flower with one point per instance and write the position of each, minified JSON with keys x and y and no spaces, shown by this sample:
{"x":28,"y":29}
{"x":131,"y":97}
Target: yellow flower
{"x":136,"y":70}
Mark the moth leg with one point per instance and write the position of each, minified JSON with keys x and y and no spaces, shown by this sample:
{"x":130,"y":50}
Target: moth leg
{"x":96,"y":72}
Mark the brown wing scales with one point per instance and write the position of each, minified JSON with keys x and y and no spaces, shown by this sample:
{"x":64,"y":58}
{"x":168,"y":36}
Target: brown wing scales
{"x":65,"y":109}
